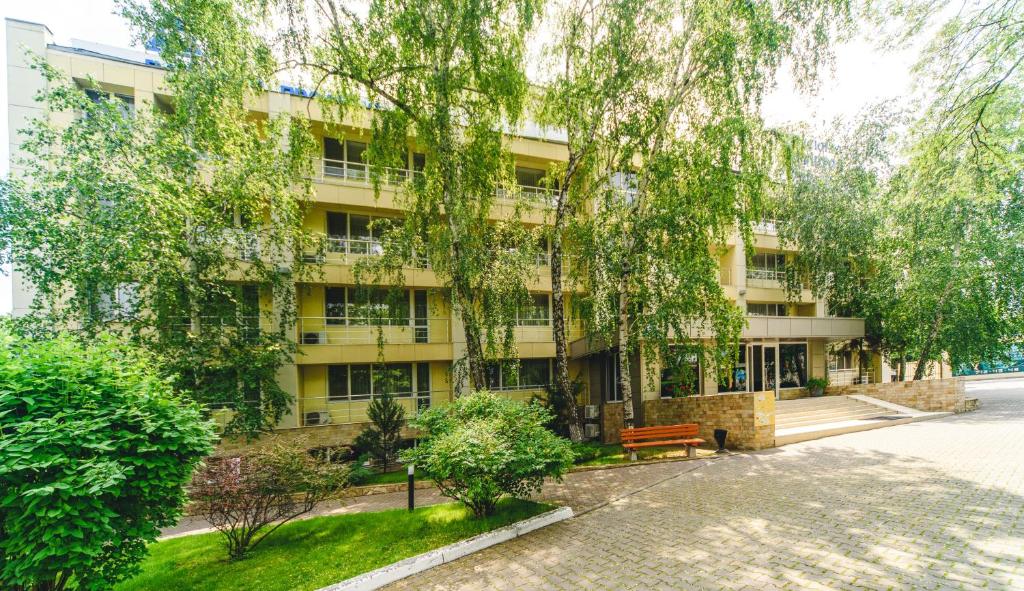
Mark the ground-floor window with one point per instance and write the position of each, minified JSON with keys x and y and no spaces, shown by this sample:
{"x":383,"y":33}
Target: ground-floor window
{"x":792,"y":365}
{"x":840,"y":360}
{"x":363,"y":381}
{"x":611,"y":389}
{"x":736,"y":380}
{"x":681,"y":376}
{"x":527,"y":374}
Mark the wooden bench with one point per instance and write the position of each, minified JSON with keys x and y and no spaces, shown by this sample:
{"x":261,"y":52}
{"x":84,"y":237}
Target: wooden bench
{"x":685,"y":434}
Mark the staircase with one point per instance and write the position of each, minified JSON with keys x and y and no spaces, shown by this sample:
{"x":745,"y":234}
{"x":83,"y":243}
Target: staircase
{"x":812,"y":418}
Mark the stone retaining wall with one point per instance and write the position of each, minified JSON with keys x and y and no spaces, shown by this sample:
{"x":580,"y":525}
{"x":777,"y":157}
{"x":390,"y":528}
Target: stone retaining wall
{"x":611,"y":422}
{"x":748,"y":416}
{"x":309,"y":437}
{"x":945,"y":395}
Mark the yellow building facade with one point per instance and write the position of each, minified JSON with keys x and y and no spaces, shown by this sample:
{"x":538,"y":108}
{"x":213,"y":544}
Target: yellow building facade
{"x":345,"y":357}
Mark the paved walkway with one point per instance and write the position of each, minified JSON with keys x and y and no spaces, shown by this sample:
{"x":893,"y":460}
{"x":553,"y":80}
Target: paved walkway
{"x":931,"y":505}
{"x":582,"y":491}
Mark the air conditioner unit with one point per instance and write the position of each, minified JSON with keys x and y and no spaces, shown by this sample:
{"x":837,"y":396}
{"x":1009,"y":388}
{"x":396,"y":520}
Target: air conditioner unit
{"x":591,"y":411}
{"x":317,"y":418}
{"x":591,"y":430}
{"x":313,"y":338}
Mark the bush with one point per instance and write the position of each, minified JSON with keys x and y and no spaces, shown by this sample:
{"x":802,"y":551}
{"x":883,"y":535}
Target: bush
{"x":95,"y":451}
{"x":382,"y":438}
{"x":359,"y":474}
{"x":585,"y":452}
{"x":484,"y":446}
{"x":242,"y":496}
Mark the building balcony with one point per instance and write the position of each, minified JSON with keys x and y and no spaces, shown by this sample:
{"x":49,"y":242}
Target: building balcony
{"x":319,"y":409}
{"x":803,"y":327}
{"x":327,"y":330}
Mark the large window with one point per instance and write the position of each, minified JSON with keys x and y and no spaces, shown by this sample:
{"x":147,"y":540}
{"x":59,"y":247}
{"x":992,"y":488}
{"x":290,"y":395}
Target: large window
{"x":125,"y":103}
{"x":767,"y":309}
{"x":531,"y":374}
{"x":840,"y":360}
{"x":769,"y":266}
{"x":366,"y":306}
{"x":737,"y":379}
{"x":681,"y":376}
{"x":356,"y":234}
{"x":344,"y":158}
{"x":363,"y":381}
{"x":792,"y":365}
{"x":537,"y":312}
{"x":611,"y":389}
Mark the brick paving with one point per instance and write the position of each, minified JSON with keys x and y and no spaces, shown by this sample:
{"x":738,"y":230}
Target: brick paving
{"x":931,"y":505}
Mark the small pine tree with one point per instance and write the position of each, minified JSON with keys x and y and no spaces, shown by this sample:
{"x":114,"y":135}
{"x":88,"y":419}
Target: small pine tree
{"x":382,"y":437}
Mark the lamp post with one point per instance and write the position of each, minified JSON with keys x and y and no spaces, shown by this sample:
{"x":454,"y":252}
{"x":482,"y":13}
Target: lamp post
{"x":411,"y":471}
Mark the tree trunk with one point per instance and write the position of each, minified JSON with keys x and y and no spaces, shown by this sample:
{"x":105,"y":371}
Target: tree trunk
{"x":901,"y":373}
{"x":562,"y":381}
{"x":474,"y":341}
{"x":933,"y":335}
{"x":625,"y":380}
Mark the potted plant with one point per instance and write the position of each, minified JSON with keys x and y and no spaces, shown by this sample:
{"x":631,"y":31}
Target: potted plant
{"x":816,"y":386}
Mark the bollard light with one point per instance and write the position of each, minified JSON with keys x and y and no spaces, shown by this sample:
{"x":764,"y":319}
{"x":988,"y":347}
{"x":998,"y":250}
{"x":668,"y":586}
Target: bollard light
{"x":411,"y":470}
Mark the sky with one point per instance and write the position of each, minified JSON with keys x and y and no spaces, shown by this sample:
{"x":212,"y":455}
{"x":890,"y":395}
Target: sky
{"x":861,"y":74}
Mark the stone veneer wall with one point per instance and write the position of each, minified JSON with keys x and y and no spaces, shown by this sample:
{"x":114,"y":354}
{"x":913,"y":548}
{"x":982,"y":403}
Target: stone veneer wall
{"x":945,"y":395}
{"x":309,"y":437}
{"x":611,"y":422}
{"x":748,"y":416}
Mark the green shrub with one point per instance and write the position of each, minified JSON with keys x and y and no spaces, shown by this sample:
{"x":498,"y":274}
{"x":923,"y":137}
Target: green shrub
{"x":381,"y":439}
{"x":359,"y":474}
{"x":248,"y":497}
{"x":484,"y":446}
{"x":586,"y":451}
{"x":95,"y":451}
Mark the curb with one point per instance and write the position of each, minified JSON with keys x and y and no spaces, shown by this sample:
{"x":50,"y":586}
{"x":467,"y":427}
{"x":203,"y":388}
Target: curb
{"x":385,"y":575}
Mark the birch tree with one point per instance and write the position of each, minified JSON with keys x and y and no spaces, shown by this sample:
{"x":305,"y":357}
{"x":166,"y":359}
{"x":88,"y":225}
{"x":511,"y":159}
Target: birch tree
{"x":448,"y":76}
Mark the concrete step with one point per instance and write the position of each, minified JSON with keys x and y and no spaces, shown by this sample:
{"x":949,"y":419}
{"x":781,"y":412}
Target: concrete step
{"x":833,"y":418}
{"x":852,"y":405}
{"x":809,"y":403}
{"x":809,"y":432}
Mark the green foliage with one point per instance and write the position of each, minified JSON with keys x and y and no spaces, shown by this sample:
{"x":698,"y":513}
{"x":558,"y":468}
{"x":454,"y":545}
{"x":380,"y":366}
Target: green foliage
{"x":382,"y":437}
{"x":444,"y":80}
{"x":661,"y":102}
{"x":558,"y":402}
{"x":248,"y":497}
{"x":484,"y":446}
{"x":817,"y":385}
{"x":95,"y":451}
{"x":314,"y":553}
{"x":137,"y":222}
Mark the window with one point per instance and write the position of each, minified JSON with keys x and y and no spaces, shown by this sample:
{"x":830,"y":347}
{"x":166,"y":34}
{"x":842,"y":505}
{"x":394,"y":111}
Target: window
{"x":366,"y":306}
{"x":344,"y":158}
{"x":537,"y":312}
{"x":767,"y":309}
{"x":364,"y":381}
{"x":624,"y":182}
{"x":121,"y":303}
{"x":419,"y":161}
{"x":530,"y":177}
{"x":840,"y":360}
{"x":422,"y":386}
{"x":792,"y":365}
{"x":531,"y":374}
{"x":681,"y":377}
{"x":125,"y":103}
{"x":769,"y":261}
{"x":356,"y":234}
{"x":610,"y":385}
{"x":737,"y":380}
{"x":543,"y":258}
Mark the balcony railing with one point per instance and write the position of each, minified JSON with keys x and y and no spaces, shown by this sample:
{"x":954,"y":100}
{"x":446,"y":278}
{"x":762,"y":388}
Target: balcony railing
{"x":345,"y":251}
{"x":846,"y":377}
{"x":326,"y":169}
{"x":322,"y":410}
{"x":770,"y":278}
{"x":342,"y":330}
{"x":767,"y":226}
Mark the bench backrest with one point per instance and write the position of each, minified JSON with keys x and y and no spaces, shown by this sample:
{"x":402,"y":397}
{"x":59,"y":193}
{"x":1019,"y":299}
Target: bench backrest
{"x":666,"y":432}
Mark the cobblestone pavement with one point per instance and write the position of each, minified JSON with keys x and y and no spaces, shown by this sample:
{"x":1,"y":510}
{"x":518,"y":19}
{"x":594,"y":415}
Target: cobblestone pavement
{"x":931,"y":505}
{"x":580,"y":490}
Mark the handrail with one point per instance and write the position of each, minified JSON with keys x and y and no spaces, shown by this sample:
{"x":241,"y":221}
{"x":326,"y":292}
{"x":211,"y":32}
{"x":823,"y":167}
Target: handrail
{"x":352,"y":330}
{"x":766,"y":226}
{"x":361,"y":172}
{"x":347,"y":411}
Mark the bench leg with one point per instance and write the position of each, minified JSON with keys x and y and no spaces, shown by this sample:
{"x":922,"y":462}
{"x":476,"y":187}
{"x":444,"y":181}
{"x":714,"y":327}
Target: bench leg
{"x":632,"y":455}
{"x":691,"y":451}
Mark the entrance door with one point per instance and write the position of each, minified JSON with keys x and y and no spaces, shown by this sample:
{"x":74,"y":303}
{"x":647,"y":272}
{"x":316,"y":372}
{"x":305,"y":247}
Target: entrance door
{"x":771,"y":378}
{"x":755,"y":369}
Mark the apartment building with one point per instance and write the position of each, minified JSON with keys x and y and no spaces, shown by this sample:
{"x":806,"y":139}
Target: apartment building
{"x":341,"y":363}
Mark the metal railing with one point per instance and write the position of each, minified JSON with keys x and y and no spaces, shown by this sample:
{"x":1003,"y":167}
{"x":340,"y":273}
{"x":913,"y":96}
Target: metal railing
{"x":360,"y":173}
{"x":344,"y":330}
{"x":771,"y":278}
{"x":767,"y":226}
{"x":846,"y":377}
{"x":323,"y":410}
{"x":345,"y":251}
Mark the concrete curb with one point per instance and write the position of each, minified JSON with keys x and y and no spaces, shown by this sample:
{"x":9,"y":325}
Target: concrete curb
{"x":385,"y":575}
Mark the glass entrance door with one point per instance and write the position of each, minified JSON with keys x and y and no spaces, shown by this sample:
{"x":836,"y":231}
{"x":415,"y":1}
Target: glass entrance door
{"x":754,"y":354}
{"x":771,"y":381}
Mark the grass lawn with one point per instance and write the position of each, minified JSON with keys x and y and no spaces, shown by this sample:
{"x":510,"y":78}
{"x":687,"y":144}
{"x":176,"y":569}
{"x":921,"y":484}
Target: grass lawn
{"x":396,"y":477}
{"x":606,"y":454}
{"x":317,"y":552}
